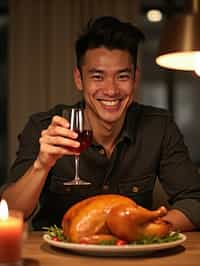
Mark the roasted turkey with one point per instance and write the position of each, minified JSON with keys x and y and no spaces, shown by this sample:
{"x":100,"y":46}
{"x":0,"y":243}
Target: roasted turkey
{"x":103,"y":217}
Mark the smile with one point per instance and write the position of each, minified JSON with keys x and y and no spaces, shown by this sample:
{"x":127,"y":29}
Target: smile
{"x":110,"y":103}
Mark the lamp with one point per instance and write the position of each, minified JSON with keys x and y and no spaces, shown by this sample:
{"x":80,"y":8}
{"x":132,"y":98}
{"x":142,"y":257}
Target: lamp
{"x":180,"y":41}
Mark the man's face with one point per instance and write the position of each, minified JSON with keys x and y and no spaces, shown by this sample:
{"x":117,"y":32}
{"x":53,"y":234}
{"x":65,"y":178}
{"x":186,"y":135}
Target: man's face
{"x":107,"y":81}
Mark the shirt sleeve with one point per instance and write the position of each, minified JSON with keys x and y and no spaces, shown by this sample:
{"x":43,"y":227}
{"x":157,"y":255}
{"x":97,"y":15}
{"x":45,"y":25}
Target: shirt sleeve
{"x":178,"y":175}
{"x":26,"y":155}
{"x":28,"y":149}
{"x":28,"y":140}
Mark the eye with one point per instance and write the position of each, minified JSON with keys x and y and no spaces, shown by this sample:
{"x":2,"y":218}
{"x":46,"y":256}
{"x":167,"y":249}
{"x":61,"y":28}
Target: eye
{"x":124,"y":76}
{"x":97,"y":76}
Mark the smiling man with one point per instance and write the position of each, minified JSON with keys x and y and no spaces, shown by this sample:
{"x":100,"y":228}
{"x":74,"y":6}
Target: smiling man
{"x":132,"y":143}
{"x":107,"y":80}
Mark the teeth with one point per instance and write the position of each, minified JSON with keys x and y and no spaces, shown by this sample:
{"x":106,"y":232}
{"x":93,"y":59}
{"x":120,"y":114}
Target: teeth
{"x":110,"y":103}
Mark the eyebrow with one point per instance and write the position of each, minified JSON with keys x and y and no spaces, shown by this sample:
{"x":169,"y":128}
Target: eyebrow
{"x":94,"y":70}
{"x":125,"y":70}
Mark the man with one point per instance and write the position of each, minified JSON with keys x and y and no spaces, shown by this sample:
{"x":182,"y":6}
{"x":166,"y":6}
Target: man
{"x":132,"y":143}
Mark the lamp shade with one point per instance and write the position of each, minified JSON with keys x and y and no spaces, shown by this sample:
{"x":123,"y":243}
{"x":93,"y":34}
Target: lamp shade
{"x":180,"y":43}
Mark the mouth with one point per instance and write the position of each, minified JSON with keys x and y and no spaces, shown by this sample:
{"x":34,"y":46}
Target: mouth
{"x":110,"y":103}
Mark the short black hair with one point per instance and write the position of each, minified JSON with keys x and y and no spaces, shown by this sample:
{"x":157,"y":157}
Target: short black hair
{"x":109,"y":32}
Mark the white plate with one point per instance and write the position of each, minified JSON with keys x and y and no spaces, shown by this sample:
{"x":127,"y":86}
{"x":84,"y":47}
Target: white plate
{"x":111,"y":250}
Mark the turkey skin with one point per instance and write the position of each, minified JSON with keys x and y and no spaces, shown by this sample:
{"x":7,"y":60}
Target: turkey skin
{"x":104,"y":217}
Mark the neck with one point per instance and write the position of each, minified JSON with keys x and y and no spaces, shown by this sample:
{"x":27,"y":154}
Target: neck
{"x":105,"y":133}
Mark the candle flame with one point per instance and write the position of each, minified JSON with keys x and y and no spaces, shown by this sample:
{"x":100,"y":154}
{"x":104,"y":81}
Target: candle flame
{"x":3,"y":210}
{"x":197,"y":63}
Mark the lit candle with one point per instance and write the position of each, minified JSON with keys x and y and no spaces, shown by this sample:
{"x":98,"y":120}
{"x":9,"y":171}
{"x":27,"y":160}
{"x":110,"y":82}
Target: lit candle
{"x":11,"y":232}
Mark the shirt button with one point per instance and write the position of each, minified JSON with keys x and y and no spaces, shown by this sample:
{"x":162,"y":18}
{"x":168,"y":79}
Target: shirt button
{"x":135,"y":189}
{"x":68,"y":189}
{"x":102,"y":152}
{"x":105,"y":187}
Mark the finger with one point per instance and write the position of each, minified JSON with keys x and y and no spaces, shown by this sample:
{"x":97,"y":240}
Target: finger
{"x":59,"y":121}
{"x":55,"y":150}
{"x":59,"y":141}
{"x":59,"y":131}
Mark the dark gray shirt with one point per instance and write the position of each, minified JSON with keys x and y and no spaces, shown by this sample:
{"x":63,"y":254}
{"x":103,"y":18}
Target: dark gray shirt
{"x":149,"y":146}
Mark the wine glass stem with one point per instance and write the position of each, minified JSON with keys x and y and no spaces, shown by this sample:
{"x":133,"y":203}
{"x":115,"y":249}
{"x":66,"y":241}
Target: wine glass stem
{"x":77,"y":178}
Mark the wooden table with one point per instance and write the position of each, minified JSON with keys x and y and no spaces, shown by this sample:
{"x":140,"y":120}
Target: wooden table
{"x":37,"y":252}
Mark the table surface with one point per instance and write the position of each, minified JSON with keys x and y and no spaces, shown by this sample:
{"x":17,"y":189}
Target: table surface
{"x":37,"y":252}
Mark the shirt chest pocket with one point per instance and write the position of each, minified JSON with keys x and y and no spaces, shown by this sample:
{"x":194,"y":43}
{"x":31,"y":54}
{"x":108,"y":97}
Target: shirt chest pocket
{"x":139,"y":189}
{"x":58,"y":187}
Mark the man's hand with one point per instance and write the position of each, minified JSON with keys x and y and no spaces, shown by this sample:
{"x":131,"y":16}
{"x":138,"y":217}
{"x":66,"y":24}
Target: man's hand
{"x":178,"y":221}
{"x":54,"y":143}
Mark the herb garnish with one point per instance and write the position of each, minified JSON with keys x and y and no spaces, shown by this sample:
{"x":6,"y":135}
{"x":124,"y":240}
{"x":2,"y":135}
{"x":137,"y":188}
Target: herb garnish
{"x":56,"y":233}
{"x":108,"y":242}
{"x":173,"y":236}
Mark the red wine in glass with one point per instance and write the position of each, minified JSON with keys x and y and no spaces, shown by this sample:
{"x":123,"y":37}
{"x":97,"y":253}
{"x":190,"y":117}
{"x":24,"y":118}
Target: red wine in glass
{"x":85,"y":139}
{"x":76,"y":119}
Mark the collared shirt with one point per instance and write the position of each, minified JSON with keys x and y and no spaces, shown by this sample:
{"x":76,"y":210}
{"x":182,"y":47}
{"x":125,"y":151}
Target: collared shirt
{"x":150,"y":145}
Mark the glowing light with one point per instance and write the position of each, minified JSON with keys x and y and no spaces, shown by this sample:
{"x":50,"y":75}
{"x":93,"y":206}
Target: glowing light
{"x":188,"y":61}
{"x":154,"y":15}
{"x":197,"y":63}
{"x":3,"y":210}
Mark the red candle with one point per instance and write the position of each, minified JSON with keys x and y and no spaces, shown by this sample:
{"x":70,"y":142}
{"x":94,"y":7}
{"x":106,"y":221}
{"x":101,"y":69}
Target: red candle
{"x":11,"y":232}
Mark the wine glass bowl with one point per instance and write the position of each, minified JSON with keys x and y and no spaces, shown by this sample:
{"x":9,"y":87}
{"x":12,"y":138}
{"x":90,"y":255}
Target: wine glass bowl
{"x":85,"y":139}
{"x":77,"y":123}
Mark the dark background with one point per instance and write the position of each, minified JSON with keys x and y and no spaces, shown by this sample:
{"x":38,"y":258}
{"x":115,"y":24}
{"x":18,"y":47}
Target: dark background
{"x":177,"y":91}
{"x":4,"y":22}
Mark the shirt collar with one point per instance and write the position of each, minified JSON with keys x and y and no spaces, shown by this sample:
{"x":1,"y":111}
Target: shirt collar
{"x":130,"y":124}
{"x":128,"y":131}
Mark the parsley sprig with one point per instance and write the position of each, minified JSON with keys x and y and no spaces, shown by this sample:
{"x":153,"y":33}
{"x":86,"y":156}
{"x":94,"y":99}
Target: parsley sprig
{"x":55,"y":232}
{"x":108,"y":242}
{"x":173,"y":236}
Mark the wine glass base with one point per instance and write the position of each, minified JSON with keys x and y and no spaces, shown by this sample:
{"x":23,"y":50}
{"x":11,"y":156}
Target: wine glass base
{"x":75,"y":182}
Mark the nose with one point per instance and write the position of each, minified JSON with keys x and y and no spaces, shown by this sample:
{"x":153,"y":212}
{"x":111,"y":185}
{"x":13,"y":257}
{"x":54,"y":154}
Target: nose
{"x":111,"y":87}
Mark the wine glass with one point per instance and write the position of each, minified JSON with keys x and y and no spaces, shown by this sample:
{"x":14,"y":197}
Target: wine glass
{"x":76,"y":118}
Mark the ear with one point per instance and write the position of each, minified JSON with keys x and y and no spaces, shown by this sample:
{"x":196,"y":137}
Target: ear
{"x":137,"y":77}
{"x":77,"y":78}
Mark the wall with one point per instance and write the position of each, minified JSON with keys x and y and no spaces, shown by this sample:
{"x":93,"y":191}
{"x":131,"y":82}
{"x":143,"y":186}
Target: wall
{"x":42,"y":35}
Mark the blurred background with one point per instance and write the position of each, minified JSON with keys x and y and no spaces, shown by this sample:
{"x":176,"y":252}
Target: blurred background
{"x":37,"y":57}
